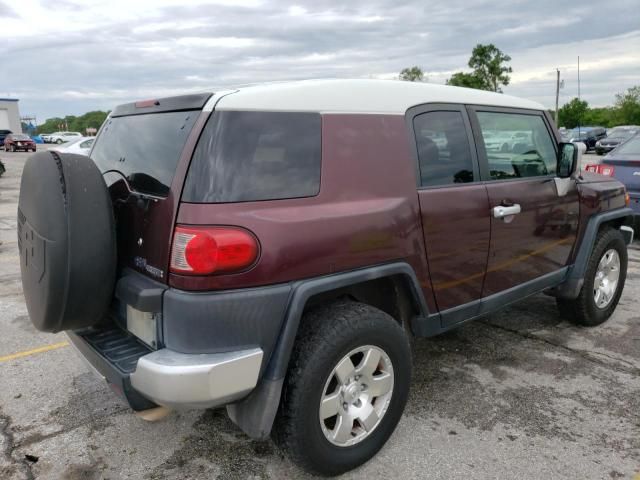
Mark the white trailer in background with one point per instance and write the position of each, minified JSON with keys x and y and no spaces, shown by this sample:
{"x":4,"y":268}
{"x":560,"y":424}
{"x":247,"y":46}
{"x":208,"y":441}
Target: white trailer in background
{"x":10,"y":115}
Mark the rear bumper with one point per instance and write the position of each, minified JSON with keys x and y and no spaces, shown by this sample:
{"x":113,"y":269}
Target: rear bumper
{"x":211,"y":348}
{"x":147,"y":378}
{"x":177,"y":379}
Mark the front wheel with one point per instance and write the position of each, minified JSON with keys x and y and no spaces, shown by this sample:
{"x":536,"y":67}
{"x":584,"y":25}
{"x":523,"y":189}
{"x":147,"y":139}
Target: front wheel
{"x":603,"y":283}
{"x":346,"y":388}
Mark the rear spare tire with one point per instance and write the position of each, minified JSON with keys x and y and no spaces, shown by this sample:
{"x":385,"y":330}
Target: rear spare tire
{"x":67,"y":242}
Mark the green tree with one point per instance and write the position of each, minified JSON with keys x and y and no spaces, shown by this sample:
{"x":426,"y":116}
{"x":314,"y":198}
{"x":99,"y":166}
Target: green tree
{"x":412,"y":74}
{"x":490,"y":69}
{"x":92,"y":119}
{"x":469,"y":80}
{"x":628,"y":107}
{"x":601,"y":116}
{"x":572,"y":114}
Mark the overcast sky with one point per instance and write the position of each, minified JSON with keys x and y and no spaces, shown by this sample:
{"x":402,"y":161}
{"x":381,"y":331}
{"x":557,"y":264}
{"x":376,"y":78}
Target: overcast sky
{"x":69,"y":56}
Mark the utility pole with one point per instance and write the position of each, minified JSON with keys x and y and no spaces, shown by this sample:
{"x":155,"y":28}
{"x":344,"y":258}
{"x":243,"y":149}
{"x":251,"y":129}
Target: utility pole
{"x":579,"y":120}
{"x":557,"y":93}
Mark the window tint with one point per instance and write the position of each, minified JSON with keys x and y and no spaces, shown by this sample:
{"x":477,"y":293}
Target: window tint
{"x":444,"y":156}
{"x":250,"y":156}
{"x":517,"y":145}
{"x":144,"y":148}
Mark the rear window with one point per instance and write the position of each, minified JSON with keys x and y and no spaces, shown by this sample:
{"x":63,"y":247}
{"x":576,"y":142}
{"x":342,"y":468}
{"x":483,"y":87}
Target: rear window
{"x":631,"y":147}
{"x":251,"y":156}
{"x":144,"y":148}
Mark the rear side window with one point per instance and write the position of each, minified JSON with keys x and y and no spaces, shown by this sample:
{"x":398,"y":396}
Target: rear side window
{"x":631,"y":147}
{"x":443,"y":148}
{"x":145,"y":149}
{"x":251,"y":156}
{"x":517,"y":145}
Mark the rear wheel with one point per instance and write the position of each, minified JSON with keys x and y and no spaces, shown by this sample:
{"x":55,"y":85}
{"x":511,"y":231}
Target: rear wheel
{"x":346,"y":387}
{"x":603,"y":283}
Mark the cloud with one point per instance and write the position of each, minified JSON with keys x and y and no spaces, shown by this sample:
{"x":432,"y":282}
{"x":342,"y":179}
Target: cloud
{"x":81,"y":56}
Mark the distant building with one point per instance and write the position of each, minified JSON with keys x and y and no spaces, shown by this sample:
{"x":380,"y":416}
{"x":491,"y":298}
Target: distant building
{"x":10,"y":115}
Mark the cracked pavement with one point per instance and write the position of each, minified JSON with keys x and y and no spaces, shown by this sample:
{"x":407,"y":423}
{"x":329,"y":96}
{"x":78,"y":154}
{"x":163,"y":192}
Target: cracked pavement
{"x":520,"y":394}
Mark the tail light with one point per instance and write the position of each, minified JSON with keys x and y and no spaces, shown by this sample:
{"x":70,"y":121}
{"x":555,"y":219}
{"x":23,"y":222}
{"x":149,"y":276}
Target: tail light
{"x":207,"y":250}
{"x":607,"y":170}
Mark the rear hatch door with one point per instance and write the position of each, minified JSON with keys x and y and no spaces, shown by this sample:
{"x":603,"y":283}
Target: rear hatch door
{"x":143,"y":150}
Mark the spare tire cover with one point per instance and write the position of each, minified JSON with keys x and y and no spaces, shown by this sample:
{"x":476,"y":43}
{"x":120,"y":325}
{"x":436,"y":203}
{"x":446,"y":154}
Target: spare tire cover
{"x":67,"y":242}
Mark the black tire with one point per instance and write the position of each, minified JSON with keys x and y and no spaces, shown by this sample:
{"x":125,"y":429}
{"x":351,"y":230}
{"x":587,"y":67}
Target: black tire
{"x":583,"y":309}
{"x":326,"y":335}
{"x":66,"y":240}
{"x":13,"y":148}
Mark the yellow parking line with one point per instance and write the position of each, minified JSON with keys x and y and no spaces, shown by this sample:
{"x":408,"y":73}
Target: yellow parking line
{"x":33,"y":351}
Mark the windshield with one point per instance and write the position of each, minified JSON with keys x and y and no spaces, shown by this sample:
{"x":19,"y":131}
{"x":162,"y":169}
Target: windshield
{"x":145,"y":149}
{"x":632,"y":147}
{"x":21,"y":137}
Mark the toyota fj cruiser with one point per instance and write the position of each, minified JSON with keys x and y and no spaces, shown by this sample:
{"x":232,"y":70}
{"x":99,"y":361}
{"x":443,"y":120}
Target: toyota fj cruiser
{"x":274,"y":248}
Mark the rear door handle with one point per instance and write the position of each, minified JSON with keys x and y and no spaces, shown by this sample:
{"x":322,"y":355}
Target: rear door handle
{"x":502,"y":211}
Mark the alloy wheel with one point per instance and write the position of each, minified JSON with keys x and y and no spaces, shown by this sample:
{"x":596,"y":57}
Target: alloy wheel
{"x":605,"y":283}
{"x":356,"y":396}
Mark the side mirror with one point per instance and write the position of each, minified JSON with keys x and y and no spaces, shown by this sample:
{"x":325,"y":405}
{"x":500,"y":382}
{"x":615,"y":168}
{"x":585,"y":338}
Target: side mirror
{"x":568,"y":156}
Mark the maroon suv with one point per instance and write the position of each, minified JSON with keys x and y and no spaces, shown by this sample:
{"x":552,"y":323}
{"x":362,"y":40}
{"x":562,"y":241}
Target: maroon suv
{"x":273,"y":249}
{"x":18,"y":141}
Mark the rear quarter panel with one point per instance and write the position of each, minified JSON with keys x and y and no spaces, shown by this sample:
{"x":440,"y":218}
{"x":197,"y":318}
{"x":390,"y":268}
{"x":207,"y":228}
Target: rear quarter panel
{"x":366,"y":213}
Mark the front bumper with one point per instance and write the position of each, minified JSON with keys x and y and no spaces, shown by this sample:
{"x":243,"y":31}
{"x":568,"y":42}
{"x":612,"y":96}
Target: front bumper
{"x":605,"y":148}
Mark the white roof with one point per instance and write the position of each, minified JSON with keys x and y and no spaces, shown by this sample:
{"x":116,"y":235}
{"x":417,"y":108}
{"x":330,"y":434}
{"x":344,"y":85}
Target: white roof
{"x":357,"y":96}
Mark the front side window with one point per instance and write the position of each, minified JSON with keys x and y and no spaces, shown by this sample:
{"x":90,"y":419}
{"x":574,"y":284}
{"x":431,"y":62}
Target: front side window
{"x":444,"y":156}
{"x":253,"y":156}
{"x":517,"y":145}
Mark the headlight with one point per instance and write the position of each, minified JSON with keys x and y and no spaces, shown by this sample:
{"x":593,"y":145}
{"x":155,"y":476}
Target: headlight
{"x":598,"y":143}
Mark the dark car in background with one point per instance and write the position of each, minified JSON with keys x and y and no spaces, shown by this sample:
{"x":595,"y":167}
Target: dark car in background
{"x":3,"y":135}
{"x":625,"y":167}
{"x":587,"y":135}
{"x":615,"y":137}
{"x":19,"y":141}
{"x":623,"y":163}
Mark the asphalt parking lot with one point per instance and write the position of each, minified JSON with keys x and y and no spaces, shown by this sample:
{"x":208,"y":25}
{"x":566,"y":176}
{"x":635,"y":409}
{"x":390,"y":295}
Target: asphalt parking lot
{"x":521,"y":394}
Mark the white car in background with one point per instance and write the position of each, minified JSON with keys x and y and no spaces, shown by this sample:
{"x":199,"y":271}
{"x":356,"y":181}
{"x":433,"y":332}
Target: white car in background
{"x":46,"y":136}
{"x":62,"y":137}
{"x":81,"y":146}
